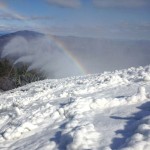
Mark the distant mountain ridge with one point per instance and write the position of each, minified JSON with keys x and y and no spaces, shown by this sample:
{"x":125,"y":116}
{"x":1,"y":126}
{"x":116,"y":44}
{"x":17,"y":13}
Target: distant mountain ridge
{"x":28,"y":35}
{"x":24,"y":33}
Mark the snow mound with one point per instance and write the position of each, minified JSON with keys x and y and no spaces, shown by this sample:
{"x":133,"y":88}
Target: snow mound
{"x":106,"y":111}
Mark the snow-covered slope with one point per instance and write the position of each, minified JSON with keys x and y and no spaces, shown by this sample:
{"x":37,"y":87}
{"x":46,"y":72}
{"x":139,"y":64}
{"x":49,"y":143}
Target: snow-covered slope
{"x":97,"y":112}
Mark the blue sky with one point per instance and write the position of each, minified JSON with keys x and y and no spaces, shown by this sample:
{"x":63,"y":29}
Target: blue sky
{"x":89,"y":18}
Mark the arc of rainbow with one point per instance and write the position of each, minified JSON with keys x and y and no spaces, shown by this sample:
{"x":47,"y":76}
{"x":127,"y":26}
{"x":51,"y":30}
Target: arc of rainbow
{"x":60,"y":45}
{"x":68,"y":53}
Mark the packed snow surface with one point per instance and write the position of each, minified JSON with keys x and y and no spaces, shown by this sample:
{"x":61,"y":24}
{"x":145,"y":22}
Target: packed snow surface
{"x":106,"y":111}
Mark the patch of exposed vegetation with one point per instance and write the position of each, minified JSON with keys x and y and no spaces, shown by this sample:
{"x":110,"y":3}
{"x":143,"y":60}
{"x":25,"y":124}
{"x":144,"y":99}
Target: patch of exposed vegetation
{"x":13,"y":77}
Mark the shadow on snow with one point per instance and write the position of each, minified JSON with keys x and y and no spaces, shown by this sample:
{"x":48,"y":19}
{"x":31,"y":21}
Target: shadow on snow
{"x":131,"y":125}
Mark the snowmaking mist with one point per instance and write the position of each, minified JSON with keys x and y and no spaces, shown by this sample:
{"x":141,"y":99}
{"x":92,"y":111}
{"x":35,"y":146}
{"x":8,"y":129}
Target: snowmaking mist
{"x":41,"y":54}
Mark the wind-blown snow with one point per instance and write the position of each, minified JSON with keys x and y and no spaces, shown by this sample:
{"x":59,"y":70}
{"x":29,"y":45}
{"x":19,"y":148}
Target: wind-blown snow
{"x":106,"y":111}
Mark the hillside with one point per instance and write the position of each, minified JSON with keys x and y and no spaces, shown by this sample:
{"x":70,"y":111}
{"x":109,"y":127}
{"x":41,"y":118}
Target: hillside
{"x":106,"y":111}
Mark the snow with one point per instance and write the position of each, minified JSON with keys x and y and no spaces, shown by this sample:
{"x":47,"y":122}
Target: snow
{"x":106,"y":111}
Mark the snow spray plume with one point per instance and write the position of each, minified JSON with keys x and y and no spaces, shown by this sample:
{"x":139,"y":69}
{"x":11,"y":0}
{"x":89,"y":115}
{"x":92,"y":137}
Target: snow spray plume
{"x":42,"y":54}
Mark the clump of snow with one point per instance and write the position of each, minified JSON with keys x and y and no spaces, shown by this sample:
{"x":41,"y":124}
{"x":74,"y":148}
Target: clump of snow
{"x":84,"y":137}
{"x":141,"y":139}
{"x":13,"y":132}
{"x":146,"y":77}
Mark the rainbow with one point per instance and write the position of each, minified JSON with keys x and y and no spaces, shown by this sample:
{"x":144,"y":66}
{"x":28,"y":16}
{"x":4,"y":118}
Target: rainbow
{"x":59,"y":44}
{"x":69,"y":54}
